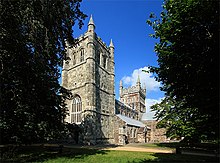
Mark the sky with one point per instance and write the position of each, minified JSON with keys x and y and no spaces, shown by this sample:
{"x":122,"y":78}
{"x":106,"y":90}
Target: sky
{"x":124,"y":21}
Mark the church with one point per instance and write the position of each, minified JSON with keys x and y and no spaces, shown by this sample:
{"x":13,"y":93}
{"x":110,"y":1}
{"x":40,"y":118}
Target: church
{"x":90,"y":75}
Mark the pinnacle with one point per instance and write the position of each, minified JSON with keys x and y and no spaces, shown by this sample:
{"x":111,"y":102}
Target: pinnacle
{"x":111,"y":44}
{"x":138,"y":79}
{"x":121,"y":84}
{"x":91,"y":22}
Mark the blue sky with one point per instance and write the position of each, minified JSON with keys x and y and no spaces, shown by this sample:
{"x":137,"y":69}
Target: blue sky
{"x":124,"y":21}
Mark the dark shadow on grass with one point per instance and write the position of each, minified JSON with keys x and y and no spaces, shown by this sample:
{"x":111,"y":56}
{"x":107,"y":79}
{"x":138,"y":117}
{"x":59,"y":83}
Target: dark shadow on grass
{"x":40,"y":154}
{"x":168,"y":157}
{"x":210,"y":146}
{"x":169,"y":145}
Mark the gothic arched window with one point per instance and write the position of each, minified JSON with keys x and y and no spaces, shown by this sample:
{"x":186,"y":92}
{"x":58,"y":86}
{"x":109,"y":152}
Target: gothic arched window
{"x":76,"y":111}
{"x":82,"y":51}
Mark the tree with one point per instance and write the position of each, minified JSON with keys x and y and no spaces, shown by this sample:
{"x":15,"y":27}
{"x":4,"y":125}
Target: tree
{"x":33,"y":35}
{"x":180,"y":122}
{"x":188,"y":69}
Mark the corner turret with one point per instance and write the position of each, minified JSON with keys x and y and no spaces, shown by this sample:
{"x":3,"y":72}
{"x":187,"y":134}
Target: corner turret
{"x":111,"y":44}
{"x":120,"y":89}
{"x":112,"y":49}
{"x":138,"y":84}
{"x":144,"y":87}
{"x":91,"y":25}
{"x":111,"y":63}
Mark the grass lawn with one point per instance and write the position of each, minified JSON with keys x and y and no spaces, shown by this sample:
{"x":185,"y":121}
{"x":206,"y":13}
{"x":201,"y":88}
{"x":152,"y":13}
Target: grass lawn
{"x":77,"y":155}
{"x":161,"y":145}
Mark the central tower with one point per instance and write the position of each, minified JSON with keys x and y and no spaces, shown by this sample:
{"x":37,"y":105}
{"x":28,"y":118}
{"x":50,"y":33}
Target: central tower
{"x":134,"y":97}
{"x":89,"y":75}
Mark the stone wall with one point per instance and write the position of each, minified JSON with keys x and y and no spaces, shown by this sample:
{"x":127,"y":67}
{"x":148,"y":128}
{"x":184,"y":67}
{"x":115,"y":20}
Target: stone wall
{"x":156,"y":135}
{"x":144,"y":135}
{"x":124,"y":133}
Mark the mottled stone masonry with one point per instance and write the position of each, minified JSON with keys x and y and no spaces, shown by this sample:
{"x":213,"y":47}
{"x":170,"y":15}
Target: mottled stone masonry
{"x":156,"y":135}
{"x":89,"y":74}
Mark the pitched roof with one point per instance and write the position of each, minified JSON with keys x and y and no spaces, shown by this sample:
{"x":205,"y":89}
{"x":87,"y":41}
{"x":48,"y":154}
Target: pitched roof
{"x":130,"y":121}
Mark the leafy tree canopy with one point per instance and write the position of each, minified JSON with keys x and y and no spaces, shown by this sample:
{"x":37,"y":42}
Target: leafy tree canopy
{"x":188,"y":68}
{"x":33,"y":35}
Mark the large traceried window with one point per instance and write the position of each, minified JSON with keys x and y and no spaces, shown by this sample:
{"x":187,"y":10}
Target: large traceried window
{"x":76,"y":111}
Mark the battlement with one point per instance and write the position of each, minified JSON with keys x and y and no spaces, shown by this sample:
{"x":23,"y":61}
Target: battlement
{"x":133,"y":89}
{"x":103,"y":44}
{"x":129,"y":90}
{"x":97,"y":38}
{"x":81,"y":37}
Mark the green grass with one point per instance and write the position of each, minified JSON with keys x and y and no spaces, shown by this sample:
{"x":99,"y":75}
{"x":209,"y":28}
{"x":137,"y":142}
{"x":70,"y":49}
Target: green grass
{"x":107,"y":157}
{"x":174,"y":145}
{"x":158,"y":145}
{"x":129,"y":157}
{"x":78,"y":155}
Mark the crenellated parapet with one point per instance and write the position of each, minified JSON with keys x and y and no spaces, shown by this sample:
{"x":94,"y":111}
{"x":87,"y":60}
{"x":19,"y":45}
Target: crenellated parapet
{"x":102,"y":43}
{"x":129,"y":90}
{"x":133,"y":89}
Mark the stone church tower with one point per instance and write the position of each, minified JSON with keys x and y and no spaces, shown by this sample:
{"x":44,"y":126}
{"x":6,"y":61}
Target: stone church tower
{"x":89,"y":75}
{"x":134,"y":97}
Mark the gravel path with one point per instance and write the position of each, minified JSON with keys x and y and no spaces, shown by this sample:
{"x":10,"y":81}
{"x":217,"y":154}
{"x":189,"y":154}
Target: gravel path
{"x":129,"y":147}
{"x":141,"y":149}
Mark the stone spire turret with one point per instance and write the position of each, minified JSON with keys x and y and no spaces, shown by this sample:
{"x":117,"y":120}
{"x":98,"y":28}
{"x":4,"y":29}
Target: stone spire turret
{"x":138,"y":80}
{"x":112,"y":48}
{"x":121,"y":85}
{"x":112,"y":54}
{"x":144,"y":87}
{"x":138,"y":84}
{"x":91,"y":25}
{"x":111,"y":44}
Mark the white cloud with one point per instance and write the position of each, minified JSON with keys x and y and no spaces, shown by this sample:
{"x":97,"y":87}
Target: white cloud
{"x":149,"y":114}
{"x":151,"y":85}
{"x":145,"y":78}
{"x":150,"y":102}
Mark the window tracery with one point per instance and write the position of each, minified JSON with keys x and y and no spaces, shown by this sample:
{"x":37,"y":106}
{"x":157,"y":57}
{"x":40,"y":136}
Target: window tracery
{"x":76,"y":111}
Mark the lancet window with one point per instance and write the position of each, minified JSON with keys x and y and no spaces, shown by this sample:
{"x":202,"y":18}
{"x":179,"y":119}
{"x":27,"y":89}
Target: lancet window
{"x":82,"y":53}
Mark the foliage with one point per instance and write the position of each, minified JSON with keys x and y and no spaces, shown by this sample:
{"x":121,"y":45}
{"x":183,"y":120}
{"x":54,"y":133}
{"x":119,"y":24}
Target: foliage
{"x":180,"y":122}
{"x":33,"y":35}
{"x":188,"y":54}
